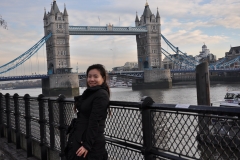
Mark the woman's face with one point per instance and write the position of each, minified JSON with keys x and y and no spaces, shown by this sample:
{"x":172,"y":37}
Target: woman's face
{"x":94,"y":78}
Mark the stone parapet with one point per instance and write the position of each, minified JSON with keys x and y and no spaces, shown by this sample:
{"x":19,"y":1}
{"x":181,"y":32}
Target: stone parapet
{"x":66,"y":84}
{"x":164,"y":84}
{"x":156,"y":75}
{"x":154,"y":79}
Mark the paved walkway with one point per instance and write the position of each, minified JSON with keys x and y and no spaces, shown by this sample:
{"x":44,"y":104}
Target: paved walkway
{"x":8,"y":151}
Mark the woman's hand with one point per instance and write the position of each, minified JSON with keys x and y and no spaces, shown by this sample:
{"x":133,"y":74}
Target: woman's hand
{"x":82,"y":151}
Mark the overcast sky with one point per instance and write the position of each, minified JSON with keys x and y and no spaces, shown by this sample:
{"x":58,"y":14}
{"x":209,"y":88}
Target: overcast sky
{"x":187,"y":24}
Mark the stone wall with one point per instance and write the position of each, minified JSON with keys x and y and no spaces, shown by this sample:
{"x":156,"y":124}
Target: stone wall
{"x":156,"y":75}
{"x":66,"y":84}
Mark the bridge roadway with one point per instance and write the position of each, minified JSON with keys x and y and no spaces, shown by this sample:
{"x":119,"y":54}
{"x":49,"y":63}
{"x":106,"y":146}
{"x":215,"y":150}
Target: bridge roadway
{"x":134,"y":74}
{"x":106,"y":30}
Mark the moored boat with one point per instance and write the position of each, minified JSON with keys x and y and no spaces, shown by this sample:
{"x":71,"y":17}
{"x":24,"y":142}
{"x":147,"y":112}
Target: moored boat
{"x":10,"y":88}
{"x":231,"y":99}
{"x":129,"y":84}
{"x":120,"y":84}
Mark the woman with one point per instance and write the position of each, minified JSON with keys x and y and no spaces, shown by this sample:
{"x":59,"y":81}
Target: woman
{"x":86,"y":139}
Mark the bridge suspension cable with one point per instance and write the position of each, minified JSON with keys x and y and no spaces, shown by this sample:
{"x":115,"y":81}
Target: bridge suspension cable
{"x":181,"y":62}
{"x":169,"y":56}
{"x":217,"y":64}
{"x":229,"y":63}
{"x":25,"y":56}
{"x":188,"y":59}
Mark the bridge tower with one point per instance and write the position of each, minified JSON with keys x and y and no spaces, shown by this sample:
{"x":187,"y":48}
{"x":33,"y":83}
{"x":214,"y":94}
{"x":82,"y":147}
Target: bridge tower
{"x":149,"y":53}
{"x":61,"y":79}
{"x":149,"y":44}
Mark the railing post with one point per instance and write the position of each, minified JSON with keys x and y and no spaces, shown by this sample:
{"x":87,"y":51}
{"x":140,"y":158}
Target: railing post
{"x":1,"y":116}
{"x":51,"y":127}
{"x":62,"y":126}
{"x":42,"y":123}
{"x":17,"y":120}
{"x":147,"y":128}
{"x":9,"y":134}
{"x":28,"y":124}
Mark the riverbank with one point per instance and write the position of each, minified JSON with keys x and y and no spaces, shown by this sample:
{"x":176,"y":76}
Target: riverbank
{"x":194,"y":83}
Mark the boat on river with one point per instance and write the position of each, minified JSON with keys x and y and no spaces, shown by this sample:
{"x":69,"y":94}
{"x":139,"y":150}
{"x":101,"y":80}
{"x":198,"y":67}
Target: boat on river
{"x":10,"y":88}
{"x":225,"y":129}
{"x":231,"y":99}
{"x":120,"y":84}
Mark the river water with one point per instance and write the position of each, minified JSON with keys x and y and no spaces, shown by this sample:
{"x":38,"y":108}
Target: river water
{"x":181,"y":94}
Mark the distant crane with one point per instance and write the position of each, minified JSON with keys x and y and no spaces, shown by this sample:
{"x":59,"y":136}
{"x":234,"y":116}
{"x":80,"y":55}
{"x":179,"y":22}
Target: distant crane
{"x":3,"y":23}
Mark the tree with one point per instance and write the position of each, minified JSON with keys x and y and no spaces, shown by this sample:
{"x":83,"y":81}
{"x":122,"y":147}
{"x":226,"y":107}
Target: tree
{"x":3,"y":23}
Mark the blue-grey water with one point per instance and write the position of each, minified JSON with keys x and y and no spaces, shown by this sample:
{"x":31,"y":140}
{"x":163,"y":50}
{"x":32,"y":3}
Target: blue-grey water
{"x":184,"y":94}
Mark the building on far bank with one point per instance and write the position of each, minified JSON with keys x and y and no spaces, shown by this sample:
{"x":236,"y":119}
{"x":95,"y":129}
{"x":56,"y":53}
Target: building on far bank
{"x":128,"y":66}
{"x":205,"y":55}
{"x":178,"y":61}
{"x":233,"y":52}
{"x":115,"y":69}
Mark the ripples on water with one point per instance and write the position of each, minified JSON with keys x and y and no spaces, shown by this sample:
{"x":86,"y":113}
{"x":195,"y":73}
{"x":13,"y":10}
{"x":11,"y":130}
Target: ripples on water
{"x":184,"y":94}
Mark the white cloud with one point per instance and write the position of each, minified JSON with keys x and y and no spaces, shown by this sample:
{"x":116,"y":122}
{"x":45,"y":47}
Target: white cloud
{"x":183,"y":23}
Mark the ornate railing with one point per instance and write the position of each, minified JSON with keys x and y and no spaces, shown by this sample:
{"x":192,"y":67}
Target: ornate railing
{"x":135,"y":130}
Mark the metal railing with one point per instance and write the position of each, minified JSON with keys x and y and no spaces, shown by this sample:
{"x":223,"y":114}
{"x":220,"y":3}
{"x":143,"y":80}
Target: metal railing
{"x":135,"y":130}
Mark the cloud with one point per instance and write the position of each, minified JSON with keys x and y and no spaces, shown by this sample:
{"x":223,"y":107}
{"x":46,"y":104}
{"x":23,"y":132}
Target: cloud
{"x":184,"y":22}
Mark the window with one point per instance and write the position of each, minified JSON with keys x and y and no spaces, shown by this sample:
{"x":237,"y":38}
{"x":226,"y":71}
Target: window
{"x":61,"y":41}
{"x":59,"y":18}
{"x":154,"y":51}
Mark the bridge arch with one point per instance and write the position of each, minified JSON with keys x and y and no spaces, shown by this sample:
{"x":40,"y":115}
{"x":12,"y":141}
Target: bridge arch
{"x":50,"y":68}
{"x":145,"y":64}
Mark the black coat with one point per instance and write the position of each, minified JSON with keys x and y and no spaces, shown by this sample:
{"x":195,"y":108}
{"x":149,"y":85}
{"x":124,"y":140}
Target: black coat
{"x":87,"y":130}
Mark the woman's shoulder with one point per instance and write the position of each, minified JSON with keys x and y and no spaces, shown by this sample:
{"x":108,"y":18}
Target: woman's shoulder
{"x":102,"y":91}
{"x":76,"y":98}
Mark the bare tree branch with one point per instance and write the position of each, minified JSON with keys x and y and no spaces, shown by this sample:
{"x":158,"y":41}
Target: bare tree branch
{"x":3,"y":23}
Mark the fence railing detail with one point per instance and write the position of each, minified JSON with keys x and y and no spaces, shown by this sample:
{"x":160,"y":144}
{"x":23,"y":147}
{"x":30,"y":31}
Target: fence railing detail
{"x":135,"y":130}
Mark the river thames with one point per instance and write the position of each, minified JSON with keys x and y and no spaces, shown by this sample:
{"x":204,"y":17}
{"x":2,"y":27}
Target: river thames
{"x":181,"y":94}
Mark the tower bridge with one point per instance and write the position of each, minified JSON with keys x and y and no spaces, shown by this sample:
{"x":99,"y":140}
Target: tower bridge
{"x":148,"y":37}
{"x":147,"y":29}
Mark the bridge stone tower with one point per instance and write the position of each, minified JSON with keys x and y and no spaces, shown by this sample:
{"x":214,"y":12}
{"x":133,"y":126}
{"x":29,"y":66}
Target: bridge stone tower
{"x":149,"y":44}
{"x":149,"y":53}
{"x":61,"y":79}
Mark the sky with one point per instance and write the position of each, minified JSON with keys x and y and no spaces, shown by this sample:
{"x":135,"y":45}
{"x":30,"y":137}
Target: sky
{"x":187,"y":24}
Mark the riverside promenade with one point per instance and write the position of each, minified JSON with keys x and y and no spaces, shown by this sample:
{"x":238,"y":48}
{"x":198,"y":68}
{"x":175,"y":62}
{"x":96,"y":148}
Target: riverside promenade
{"x":8,"y":151}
